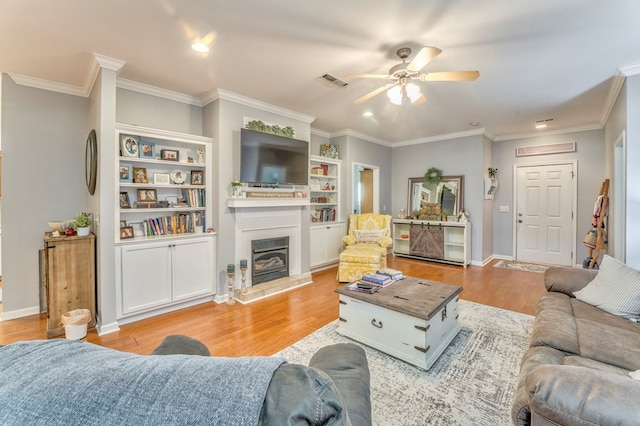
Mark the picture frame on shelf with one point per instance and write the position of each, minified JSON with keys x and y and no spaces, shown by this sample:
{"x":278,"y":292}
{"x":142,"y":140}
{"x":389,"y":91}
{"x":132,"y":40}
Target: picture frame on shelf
{"x":172,"y":200}
{"x":140,"y":175}
{"x":161,"y":179}
{"x":147,"y":195}
{"x":197,"y":177}
{"x":123,"y":223}
{"x":329,"y":150}
{"x":129,"y":146}
{"x":124,"y":200}
{"x":125,"y":173}
{"x":138,"y":229}
{"x":126,"y":232}
{"x":147,"y":150}
{"x":170,"y":154}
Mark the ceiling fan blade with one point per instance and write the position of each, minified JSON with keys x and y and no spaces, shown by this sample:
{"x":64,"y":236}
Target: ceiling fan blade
{"x":424,"y":56}
{"x":422,"y":99}
{"x":374,"y":93}
{"x":450,"y":76}
{"x":366,"y":76}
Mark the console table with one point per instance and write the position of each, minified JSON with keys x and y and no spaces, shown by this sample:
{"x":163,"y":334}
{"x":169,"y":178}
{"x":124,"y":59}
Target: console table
{"x":445,"y":242}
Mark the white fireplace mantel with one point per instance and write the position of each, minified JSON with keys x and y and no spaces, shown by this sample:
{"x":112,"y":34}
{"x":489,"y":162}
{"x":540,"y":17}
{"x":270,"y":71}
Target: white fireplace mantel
{"x":254,"y":202}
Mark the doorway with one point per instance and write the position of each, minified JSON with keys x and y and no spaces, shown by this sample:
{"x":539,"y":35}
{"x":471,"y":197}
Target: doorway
{"x":545,"y":201}
{"x":365,"y":191}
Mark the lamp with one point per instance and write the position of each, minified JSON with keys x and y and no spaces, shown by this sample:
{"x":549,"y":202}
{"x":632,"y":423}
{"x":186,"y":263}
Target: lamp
{"x":397,"y":94}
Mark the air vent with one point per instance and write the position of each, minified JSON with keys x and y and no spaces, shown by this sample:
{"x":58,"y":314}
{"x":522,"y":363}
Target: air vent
{"x":558,"y":148}
{"x":334,"y":80}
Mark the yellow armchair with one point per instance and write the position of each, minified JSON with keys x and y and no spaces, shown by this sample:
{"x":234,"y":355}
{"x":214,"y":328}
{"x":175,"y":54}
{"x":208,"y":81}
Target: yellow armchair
{"x":367,"y":241}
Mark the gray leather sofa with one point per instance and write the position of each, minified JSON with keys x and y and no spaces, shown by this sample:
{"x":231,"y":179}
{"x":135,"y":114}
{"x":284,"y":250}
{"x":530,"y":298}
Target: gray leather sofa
{"x":576,"y":370}
{"x":72,"y":382}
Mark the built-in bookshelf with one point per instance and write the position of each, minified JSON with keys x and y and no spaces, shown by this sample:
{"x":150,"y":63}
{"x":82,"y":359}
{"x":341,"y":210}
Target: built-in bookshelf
{"x":324,"y":189}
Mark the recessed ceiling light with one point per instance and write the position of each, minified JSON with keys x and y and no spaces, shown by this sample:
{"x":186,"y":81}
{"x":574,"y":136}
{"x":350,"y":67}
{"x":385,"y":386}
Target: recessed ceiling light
{"x":367,"y":114}
{"x":200,"y":47}
{"x":474,"y":123}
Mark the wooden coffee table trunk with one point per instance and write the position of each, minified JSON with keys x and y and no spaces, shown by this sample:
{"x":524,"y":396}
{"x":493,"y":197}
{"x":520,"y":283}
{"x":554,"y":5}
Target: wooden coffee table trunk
{"x":413,"y":319}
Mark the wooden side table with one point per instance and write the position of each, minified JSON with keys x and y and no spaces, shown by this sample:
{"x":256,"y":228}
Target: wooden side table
{"x":69,"y":278}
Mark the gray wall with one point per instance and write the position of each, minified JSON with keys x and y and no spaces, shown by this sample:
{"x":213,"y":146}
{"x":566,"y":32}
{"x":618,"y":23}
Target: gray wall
{"x":633,"y":171}
{"x":590,"y":174}
{"x":43,"y":142}
{"x":460,"y":156}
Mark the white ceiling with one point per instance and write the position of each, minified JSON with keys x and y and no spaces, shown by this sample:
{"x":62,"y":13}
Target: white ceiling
{"x":537,"y":59}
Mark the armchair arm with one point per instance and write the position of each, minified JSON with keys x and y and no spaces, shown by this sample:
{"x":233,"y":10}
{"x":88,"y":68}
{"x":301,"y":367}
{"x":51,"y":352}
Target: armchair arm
{"x":571,"y":395}
{"x":567,"y":280}
{"x":385,"y":241}
{"x":349,"y":240}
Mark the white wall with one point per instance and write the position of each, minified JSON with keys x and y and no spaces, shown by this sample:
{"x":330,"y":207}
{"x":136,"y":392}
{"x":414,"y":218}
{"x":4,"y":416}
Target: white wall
{"x":43,"y":144}
{"x":633,"y":172}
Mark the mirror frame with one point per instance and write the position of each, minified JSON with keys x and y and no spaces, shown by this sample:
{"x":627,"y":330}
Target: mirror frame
{"x":459,"y":196}
{"x":91,"y":161}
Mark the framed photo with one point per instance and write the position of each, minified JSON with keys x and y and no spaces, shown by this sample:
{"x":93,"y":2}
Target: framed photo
{"x":129,"y":146}
{"x":126,"y":232}
{"x":125,"y":173}
{"x":161,"y":178}
{"x":138,"y":229}
{"x":147,"y":150}
{"x":147,"y":195}
{"x":197,"y":177}
{"x":172,"y":200}
{"x":170,"y":154}
{"x":124,"y":201}
{"x":123,"y":223}
{"x":140,"y":175}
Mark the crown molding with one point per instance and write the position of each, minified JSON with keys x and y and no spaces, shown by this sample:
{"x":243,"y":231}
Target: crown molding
{"x":320,"y":133}
{"x":630,"y":70}
{"x":583,"y":128}
{"x":359,"y":135}
{"x":52,"y":86}
{"x":99,"y":61}
{"x":254,"y":103}
{"x":147,"y":89}
{"x":447,"y":136}
{"x":616,"y":86}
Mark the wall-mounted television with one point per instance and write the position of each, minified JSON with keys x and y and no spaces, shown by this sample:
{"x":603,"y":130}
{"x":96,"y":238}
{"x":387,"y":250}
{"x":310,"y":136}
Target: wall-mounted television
{"x":272,"y":159}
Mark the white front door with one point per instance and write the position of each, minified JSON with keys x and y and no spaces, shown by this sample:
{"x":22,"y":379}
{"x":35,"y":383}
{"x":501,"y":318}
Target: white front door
{"x":544,"y":214}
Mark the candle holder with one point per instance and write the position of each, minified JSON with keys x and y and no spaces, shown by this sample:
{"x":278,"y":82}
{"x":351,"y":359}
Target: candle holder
{"x":243,"y":271}
{"x":231,"y":273}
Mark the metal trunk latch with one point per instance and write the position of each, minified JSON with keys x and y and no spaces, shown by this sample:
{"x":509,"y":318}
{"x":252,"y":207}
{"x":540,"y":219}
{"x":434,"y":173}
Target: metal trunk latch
{"x":444,"y":313}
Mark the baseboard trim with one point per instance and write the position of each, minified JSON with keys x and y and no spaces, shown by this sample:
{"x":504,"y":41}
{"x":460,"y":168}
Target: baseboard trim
{"x":19,"y":313}
{"x":106,"y":329}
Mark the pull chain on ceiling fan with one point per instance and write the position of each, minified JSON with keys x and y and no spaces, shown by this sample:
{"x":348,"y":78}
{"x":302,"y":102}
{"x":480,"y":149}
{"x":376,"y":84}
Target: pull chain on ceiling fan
{"x":402,"y":89}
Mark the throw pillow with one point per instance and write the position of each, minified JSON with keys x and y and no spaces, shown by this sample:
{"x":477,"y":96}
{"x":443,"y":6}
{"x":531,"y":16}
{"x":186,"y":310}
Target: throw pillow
{"x":616,"y":289}
{"x":371,"y":236}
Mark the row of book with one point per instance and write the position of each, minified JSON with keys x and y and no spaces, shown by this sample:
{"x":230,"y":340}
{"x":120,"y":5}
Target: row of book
{"x":324,"y":215}
{"x":179,"y":223}
{"x":193,"y":197}
{"x":371,"y":283}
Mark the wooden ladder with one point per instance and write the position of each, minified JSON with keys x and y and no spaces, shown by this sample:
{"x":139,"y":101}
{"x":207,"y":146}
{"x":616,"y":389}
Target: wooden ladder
{"x":600,"y":231}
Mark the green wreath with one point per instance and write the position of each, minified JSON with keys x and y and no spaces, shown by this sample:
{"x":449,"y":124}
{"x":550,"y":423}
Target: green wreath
{"x":433,"y":176}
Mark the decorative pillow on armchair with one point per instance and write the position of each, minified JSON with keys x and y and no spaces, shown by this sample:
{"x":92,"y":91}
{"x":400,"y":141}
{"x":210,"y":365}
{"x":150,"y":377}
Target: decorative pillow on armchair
{"x":372,"y":236}
{"x":616,"y":289}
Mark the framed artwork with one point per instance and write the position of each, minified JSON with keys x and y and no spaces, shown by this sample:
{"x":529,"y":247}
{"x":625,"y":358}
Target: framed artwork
{"x":170,"y":154}
{"x":123,"y":223}
{"x":147,"y":195}
{"x":129,"y":146}
{"x":197,"y":177}
{"x":329,"y":150}
{"x":161,"y":178}
{"x":126,"y":232}
{"x":140,"y":175}
{"x":125,"y":173}
{"x":124,"y":201}
{"x":147,"y":150}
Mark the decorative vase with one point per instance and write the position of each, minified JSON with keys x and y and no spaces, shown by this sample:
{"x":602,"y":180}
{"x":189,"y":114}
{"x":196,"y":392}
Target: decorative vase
{"x":237,"y":191}
{"x":83,"y":232}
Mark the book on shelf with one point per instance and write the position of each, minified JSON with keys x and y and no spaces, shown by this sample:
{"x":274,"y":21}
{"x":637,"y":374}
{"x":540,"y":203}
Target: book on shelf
{"x":377,"y":279}
{"x":178,"y":223}
{"x":393,"y":273}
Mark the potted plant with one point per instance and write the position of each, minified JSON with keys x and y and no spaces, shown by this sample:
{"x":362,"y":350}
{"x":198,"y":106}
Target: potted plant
{"x":236,"y":188}
{"x":81,"y":224}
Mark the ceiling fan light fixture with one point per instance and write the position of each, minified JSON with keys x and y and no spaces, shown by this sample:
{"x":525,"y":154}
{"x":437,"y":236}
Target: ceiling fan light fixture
{"x":412,"y":91}
{"x":398,"y":94}
{"x":395,"y":95}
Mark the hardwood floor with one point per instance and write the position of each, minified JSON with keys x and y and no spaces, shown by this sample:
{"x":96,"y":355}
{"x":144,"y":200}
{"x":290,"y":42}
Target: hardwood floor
{"x":267,"y":326}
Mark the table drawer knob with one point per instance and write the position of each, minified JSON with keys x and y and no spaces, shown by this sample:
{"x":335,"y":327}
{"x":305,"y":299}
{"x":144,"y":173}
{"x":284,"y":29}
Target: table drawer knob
{"x":376,"y":323}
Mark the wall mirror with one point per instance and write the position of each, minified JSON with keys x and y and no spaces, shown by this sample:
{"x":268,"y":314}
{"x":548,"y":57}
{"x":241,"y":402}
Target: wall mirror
{"x":448,"y":193}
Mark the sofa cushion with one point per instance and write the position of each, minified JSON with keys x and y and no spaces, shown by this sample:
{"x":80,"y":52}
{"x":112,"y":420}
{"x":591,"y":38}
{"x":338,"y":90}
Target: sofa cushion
{"x":555,"y":325}
{"x":616,"y":289}
{"x":371,"y":236}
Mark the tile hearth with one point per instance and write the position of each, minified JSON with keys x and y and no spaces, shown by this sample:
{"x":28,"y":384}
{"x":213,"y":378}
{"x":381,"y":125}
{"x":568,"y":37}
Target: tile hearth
{"x":269,"y":288}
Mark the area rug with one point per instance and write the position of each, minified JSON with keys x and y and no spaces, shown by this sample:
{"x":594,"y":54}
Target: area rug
{"x":472,"y":383}
{"x":521,"y":266}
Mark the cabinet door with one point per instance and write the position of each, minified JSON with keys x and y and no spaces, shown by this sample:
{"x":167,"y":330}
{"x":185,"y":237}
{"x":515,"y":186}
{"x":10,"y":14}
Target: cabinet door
{"x":146,"y":276}
{"x":317,"y":253}
{"x":192,"y":270}
{"x":334,"y":242}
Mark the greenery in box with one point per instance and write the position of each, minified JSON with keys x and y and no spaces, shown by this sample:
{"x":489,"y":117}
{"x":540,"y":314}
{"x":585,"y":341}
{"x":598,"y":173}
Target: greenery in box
{"x":83,"y":220}
{"x":274,"y":129}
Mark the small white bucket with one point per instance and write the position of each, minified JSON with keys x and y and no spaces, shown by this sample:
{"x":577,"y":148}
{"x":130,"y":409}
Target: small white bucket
{"x":75,"y":331}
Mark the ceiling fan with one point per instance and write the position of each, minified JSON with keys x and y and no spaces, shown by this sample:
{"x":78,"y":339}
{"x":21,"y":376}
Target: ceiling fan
{"x":401,"y":88}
